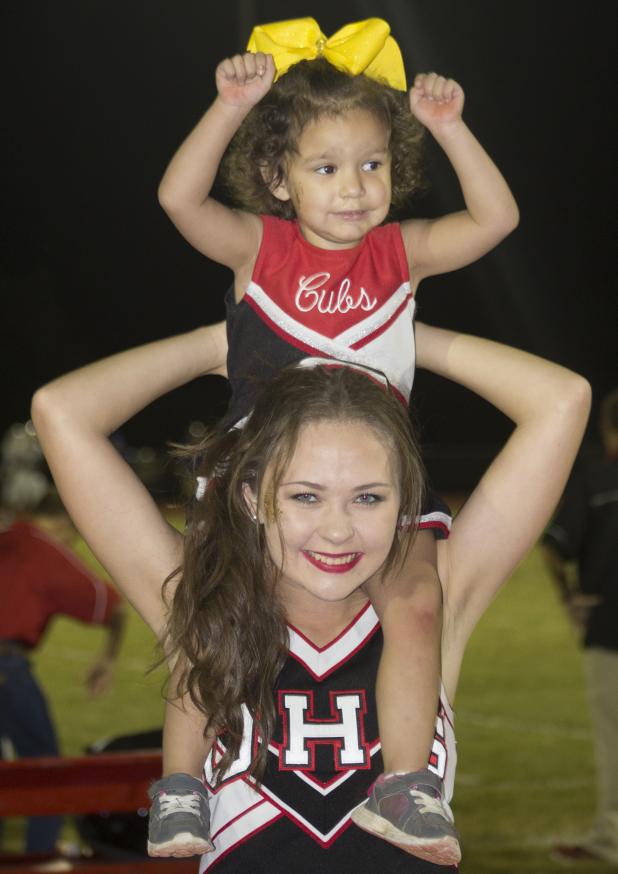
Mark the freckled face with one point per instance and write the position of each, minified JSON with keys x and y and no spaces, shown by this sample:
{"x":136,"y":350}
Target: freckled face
{"x":337,"y":508}
{"x":339,"y":181}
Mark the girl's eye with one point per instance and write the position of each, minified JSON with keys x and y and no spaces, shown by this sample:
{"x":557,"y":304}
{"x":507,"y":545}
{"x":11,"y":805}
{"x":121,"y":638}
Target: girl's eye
{"x":368,"y":499}
{"x":326,"y":170}
{"x":371,"y":165}
{"x":305,"y":498}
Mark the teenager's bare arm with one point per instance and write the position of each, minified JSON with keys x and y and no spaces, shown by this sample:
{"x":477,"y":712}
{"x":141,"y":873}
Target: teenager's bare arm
{"x":513,"y":501}
{"x":73,"y":417}
{"x":491,"y":213}
{"x":228,"y":236}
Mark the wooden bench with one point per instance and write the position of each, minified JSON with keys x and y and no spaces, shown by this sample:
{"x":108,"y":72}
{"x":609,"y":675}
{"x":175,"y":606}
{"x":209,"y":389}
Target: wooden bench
{"x":108,"y":782}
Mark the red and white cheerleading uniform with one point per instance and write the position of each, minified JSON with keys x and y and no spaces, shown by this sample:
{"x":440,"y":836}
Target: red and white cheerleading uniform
{"x":324,"y":756}
{"x":353,"y":305}
{"x":349,"y":304}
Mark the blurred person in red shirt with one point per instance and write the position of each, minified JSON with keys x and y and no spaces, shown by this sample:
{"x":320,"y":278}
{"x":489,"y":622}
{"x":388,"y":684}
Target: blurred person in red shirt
{"x":40,"y":578}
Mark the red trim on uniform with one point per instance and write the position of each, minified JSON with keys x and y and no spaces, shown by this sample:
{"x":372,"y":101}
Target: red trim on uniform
{"x":339,"y":636}
{"x":434,"y":758}
{"x":341,"y":776}
{"x":293,"y":340}
{"x":302,"y":823}
{"x":239,"y":816}
{"x":363,"y":342}
{"x":322,"y":649}
{"x":242,"y":840}
{"x":445,"y":714}
{"x":289,"y":338}
{"x":444,"y":528}
{"x":218,"y":747}
{"x":348,"y":655}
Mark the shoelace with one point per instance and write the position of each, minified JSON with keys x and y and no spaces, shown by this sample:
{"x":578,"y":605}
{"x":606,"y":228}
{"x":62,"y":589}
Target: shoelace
{"x":427,"y":803}
{"x":180,"y":803}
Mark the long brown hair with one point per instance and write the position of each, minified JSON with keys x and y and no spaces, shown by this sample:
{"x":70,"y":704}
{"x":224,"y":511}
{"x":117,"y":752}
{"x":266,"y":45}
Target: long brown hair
{"x":255,"y":162}
{"x":225,"y":619}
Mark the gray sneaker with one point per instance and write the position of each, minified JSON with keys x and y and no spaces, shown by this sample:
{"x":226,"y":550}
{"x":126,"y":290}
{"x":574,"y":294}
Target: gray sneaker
{"x":179,"y":819}
{"x":407,"y":810}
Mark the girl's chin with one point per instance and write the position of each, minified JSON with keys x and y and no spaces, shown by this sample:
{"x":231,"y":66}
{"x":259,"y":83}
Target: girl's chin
{"x":337,"y":591}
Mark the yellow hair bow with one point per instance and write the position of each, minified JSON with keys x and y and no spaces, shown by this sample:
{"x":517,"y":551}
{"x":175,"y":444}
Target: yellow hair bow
{"x":362,"y":47}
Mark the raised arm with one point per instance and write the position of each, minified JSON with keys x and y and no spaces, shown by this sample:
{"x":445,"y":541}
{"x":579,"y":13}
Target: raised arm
{"x":73,"y":417}
{"x":510,"y":506}
{"x":225,"y":235}
{"x":491,"y":213}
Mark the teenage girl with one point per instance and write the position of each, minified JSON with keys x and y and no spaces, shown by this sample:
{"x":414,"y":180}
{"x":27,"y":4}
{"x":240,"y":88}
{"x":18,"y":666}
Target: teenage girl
{"x":316,"y":154}
{"x":297,"y":818}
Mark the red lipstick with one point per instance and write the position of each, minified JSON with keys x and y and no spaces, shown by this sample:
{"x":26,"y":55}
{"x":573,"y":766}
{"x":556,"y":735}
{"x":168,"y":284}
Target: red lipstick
{"x":341,"y":567}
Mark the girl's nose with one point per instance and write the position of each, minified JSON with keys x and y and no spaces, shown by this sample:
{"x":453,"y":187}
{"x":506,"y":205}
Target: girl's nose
{"x":336,"y":526}
{"x":351,"y":183}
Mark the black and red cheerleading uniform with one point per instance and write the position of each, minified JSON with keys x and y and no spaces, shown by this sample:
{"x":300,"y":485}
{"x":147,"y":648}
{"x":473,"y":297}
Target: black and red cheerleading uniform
{"x":324,"y":756}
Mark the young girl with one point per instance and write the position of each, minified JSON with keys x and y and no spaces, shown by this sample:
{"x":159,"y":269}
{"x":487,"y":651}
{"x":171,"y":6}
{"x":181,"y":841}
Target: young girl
{"x":316,"y":162}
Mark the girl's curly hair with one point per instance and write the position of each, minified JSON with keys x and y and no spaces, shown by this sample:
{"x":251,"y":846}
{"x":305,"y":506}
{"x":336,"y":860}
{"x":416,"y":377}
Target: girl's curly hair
{"x":255,"y":161}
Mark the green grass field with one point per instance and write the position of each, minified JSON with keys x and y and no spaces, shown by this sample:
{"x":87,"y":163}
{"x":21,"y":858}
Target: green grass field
{"x":525,"y":775}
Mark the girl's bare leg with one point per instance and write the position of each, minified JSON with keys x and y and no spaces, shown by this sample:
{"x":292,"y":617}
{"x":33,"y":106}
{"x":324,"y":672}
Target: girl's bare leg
{"x":179,"y":817}
{"x":406,"y":806}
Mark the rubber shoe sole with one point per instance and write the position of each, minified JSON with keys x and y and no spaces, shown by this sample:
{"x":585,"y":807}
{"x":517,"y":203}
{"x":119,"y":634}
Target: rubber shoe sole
{"x":440,"y":851}
{"x":182,"y":845}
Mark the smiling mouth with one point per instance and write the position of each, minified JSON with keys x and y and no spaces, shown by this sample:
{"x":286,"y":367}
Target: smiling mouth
{"x":352,"y":215}
{"x":333,"y":564}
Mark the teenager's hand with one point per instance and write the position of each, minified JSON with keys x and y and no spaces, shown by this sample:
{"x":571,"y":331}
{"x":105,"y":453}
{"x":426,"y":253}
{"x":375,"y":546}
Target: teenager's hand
{"x":244,"y":79}
{"x":436,"y":101}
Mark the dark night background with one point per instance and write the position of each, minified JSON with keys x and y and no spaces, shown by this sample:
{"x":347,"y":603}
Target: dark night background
{"x":101,"y":93}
